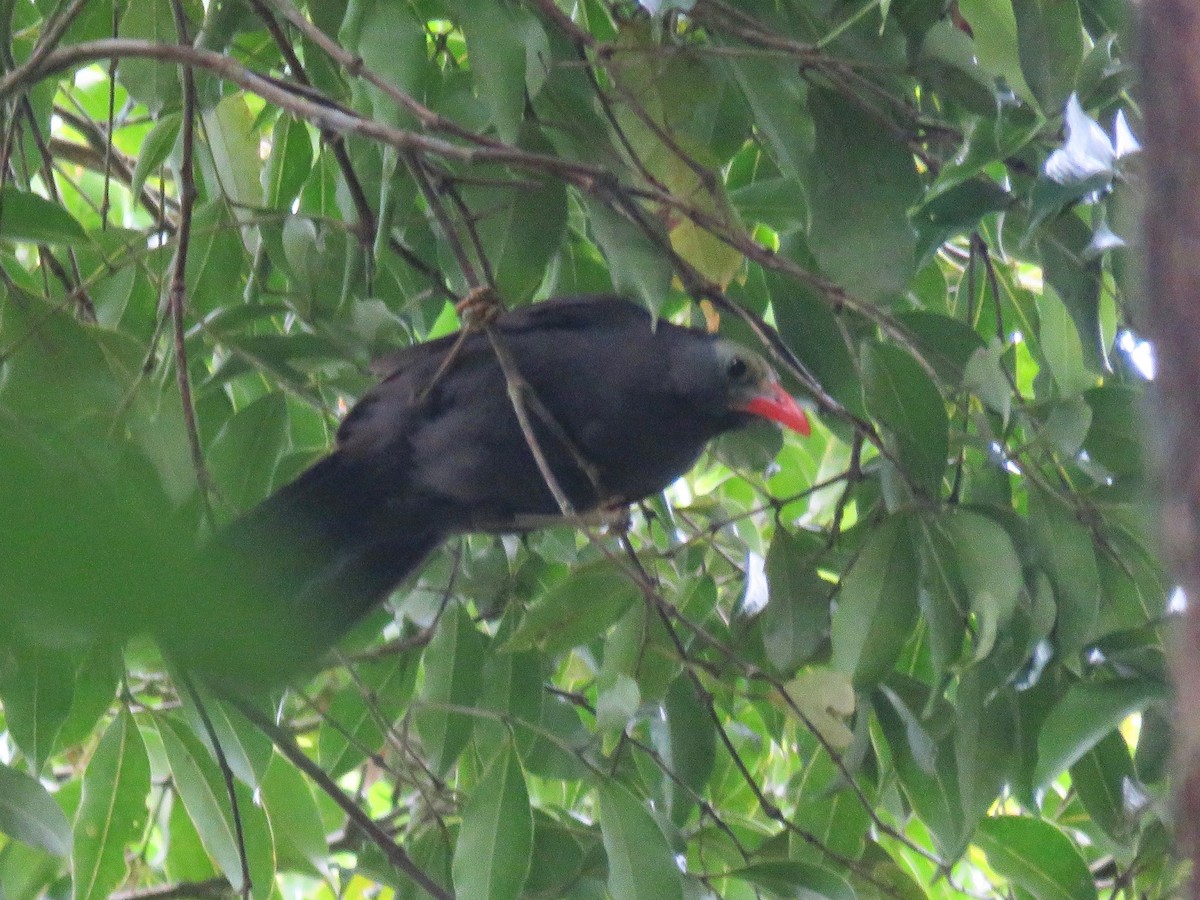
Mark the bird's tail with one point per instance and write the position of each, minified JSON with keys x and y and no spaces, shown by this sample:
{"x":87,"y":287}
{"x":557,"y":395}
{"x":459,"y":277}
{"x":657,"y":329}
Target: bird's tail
{"x":293,"y":575}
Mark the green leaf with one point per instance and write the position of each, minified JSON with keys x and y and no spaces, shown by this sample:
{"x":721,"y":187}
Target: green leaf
{"x":1036,"y":856}
{"x":776,"y":202}
{"x":289,"y":164}
{"x":246,"y":749}
{"x":984,"y":377}
{"x":214,"y":260}
{"x":1101,"y":777}
{"x":1118,"y":427}
{"x":243,"y":455}
{"x":453,"y":676}
{"x":788,"y":878}
{"x":96,"y":682}
{"x":1061,"y":346}
{"x":994,"y":29}
{"x":877,"y":605}
{"x":640,"y":861}
{"x":1086,"y":713}
{"x":29,"y":814}
{"x":155,"y":150}
{"x":497,"y":35}
{"x":1077,"y":281}
{"x":233,"y":141}
{"x":37,"y":687}
{"x":112,"y":812}
{"x":521,"y":228}
{"x":1051,"y":44}
{"x":492,"y":856}
{"x":392,"y":43}
{"x":203,"y":792}
{"x":814,"y":332}
{"x":513,"y":686}
{"x":861,"y":182}
{"x":576,"y":609}
{"x":776,"y":99}
{"x":617,"y":703}
{"x":690,"y":747}
{"x":990,"y":570}
{"x":558,"y":856}
{"x":150,"y":82}
{"x":795,"y":621}
{"x":926,"y":767}
{"x":24,"y":216}
{"x":636,"y":264}
{"x":901,"y":396}
{"x":295,"y":820}
{"x":1066,"y":551}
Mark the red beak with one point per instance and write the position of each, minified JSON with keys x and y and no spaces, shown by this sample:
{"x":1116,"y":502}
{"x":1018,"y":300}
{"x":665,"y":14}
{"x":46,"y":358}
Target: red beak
{"x":778,"y":405}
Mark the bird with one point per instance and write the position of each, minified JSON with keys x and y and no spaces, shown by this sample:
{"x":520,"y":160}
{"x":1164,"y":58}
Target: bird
{"x":617,"y":403}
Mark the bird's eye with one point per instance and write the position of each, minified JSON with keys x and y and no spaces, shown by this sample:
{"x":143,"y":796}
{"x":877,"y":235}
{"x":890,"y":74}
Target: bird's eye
{"x":737,"y":368}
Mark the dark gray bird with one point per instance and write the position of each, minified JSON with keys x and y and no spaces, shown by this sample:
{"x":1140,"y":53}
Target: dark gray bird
{"x":620,"y":406}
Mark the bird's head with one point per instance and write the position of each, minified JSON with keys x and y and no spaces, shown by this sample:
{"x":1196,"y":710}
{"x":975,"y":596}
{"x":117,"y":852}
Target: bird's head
{"x":749,"y":385}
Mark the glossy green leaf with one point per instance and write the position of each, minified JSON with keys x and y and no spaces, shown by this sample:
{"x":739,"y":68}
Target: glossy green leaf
{"x":1036,"y":856}
{"x":492,"y":856}
{"x":901,"y":396}
{"x":788,"y":878}
{"x":1061,"y":345}
{"x":990,"y":570}
{"x":198,"y":781}
{"x":636,"y":265}
{"x":795,"y":621}
{"x":1087,"y":712}
{"x":926,"y":767}
{"x":27,"y":217}
{"x":289,"y":163}
{"x":453,"y":677}
{"x":295,"y":819}
{"x":36,"y":686}
{"x":577,"y":609}
{"x":152,"y":83}
{"x":861,"y":183}
{"x":247,"y":750}
{"x":1051,"y":43}
{"x":690,"y":747}
{"x":496,"y":45}
{"x":233,"y":142}
{"x":640,"y":862}
{"x":243,"y":455}
{"x":877,"y":605}
{"x":1104,"y":778}
{"x":1067,"y":552}
{"x":112,"y":812}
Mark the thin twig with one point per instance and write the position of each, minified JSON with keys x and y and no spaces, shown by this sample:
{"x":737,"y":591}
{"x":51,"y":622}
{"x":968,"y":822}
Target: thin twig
{"x":286,"y":745}
{"x":177,"y":291}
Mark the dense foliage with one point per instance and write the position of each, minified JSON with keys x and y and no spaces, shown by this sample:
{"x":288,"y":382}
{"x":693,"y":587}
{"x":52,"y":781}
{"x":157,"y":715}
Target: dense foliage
{"x":920,"y":653}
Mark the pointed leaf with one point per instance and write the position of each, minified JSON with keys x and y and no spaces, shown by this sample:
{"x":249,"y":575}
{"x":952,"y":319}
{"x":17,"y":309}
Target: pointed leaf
{"x":492,"y":856}
{"x":1088,"y":712}
{"x":640,"y":861}
{"x":24,"y":216}
{"x":30,"y":815}
{"x":877,"y":605}
{"x":1036,"y":856}
{"x":453,"y":676}
{"x":112,"y":812}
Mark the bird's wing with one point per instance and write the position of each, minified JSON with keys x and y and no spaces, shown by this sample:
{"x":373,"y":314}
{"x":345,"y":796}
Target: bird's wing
{"x":405,"y":358}
{"x":583,"y":311}
{"x":587,"y":311}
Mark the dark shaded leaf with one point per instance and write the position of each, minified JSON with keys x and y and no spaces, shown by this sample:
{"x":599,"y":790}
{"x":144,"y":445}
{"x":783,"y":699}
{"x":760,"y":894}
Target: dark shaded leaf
{"x":29,"y":814}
